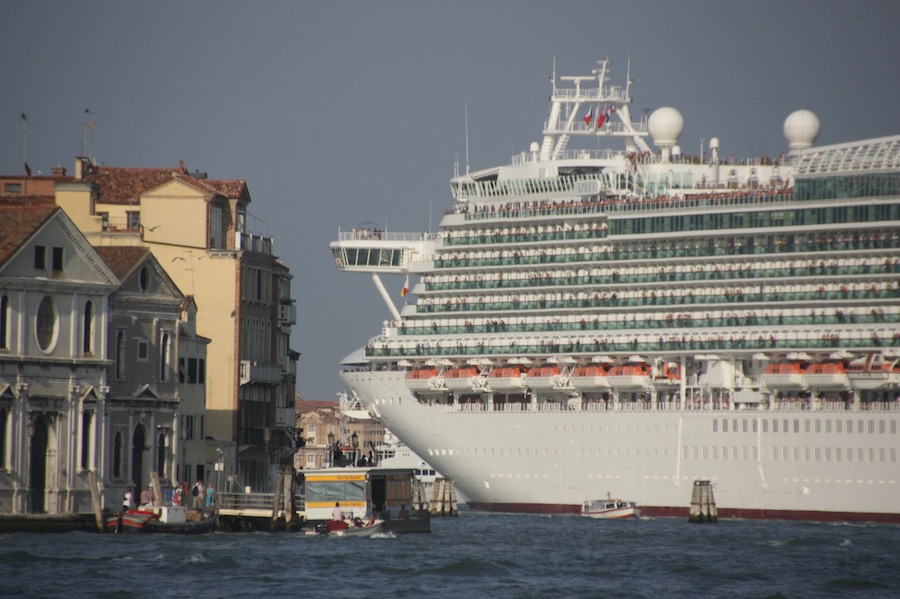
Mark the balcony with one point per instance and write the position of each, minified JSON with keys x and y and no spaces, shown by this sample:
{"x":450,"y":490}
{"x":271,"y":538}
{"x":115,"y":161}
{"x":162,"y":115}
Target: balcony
{"x":288,"y":366}
{"x":287,"y":314}
{"x":259,"y":373}
{"x":254,"y":243}
{"x":285,"y":418}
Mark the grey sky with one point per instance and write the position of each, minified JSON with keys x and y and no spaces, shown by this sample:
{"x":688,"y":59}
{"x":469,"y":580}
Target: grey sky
{"x":342,"y":112}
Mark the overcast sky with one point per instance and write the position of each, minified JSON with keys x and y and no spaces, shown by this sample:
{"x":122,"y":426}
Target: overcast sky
{"x":338,"y":113}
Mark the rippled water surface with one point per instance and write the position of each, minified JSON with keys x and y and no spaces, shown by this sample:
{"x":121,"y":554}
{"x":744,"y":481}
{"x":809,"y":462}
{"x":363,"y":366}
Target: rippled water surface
{"x":475,"y":555}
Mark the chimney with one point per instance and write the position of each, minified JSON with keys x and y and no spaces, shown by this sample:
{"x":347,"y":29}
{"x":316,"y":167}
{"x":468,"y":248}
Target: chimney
{"x":59,"y":171}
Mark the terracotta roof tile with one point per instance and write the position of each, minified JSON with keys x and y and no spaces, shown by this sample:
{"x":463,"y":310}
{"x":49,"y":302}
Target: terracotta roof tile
{"x":124,"y":185}
{"x":20,"y":218}
{"x":122,"y":259}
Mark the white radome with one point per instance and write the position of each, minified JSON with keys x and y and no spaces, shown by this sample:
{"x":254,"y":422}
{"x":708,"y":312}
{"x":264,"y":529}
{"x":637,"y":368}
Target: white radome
{"x":801,"y":128}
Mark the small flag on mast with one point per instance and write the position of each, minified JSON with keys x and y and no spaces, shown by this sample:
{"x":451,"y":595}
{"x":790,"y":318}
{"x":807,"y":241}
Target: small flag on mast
{"x":405,"y":289}
{"x":589,"y":116}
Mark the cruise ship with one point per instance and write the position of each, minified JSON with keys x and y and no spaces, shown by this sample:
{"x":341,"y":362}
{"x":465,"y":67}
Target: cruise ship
{"x":608,"y":314}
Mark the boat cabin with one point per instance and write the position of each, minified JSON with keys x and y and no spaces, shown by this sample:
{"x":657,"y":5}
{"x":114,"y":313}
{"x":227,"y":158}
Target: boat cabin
{"x":385,"y":493}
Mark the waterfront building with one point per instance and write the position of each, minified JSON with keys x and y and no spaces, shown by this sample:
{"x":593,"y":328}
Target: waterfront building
{"x":54,"y":316}
{"x":198,"y":230}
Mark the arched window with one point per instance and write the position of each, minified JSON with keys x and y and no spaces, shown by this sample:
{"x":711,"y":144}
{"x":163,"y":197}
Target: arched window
{"x":4,"y":322}
{"x":45,"y":324}
{"x":120,"y":355}
{"x":87,"y":330}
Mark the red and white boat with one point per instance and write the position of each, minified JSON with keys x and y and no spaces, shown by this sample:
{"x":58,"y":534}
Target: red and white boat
{"x":610,"y":508}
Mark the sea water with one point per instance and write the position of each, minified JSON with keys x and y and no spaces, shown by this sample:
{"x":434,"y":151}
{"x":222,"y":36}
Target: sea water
{"x":475,"y":555}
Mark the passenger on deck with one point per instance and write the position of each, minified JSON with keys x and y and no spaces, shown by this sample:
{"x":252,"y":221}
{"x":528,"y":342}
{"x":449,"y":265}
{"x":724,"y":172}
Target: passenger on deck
{"x":337,"y":513}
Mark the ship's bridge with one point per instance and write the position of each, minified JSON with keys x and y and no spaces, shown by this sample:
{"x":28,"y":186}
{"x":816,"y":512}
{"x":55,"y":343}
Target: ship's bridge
{"x":368,"y":249}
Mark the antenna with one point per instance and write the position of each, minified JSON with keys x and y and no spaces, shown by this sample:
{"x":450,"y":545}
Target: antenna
{"x":25,"y":144}
{"x":86,"y":139}
{"x":467,"y":138}
{"x":628,"y":77}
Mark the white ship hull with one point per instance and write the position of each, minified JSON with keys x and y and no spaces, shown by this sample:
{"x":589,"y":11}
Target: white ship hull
{"x":553,"y":461}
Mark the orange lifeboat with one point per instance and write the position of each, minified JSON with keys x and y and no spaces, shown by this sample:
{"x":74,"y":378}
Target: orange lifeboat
{"x":828,"y":375}
{"x":633,"y":375}
{"x":784,"y":375}
{"x":506,"y":379}
{"x":461,"y":379}
{"x":422,"y":379}
{"x":668,"y":376}
{"x":590,"y":378}
{"x":543,"y":378}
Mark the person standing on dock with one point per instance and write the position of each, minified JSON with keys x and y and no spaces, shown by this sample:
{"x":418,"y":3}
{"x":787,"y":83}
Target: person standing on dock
{"x":337,"y":513}
{"x":127,"y":501}
{"x":198,"y":493}
{"x":210,"y":496}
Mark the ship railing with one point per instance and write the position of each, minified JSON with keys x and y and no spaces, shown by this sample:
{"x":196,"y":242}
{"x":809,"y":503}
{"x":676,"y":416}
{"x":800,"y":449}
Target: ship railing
{"x":362,"y":234}
{"x":880,"y":406}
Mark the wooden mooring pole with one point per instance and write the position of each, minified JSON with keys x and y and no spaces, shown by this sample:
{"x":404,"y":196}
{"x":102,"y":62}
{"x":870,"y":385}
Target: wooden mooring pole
{"x":703,"y":503}
{"x":95,"y":500}
{"x":443,"y":498}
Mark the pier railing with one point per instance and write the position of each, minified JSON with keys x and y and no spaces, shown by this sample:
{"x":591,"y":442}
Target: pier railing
{"x":252,"y":503}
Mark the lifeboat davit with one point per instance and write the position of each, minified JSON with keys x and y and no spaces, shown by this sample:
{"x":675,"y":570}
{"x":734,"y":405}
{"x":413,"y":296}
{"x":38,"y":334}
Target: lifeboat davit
{"x":784,"y":375}
{"x":506,"y":379}
{"x":461,"y":379}
{"x":668,"y":376}
{"x":631,"y":376}
{"x":423,"y":379}
{"x":590,"y":378}
{"x":827,"y":375}
{"x":873,"y":372}
{"x":543,"y":378}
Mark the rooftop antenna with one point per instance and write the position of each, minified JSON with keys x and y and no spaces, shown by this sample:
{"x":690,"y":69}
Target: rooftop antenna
{"x":24,"y":118}
{"x":86,"y":139}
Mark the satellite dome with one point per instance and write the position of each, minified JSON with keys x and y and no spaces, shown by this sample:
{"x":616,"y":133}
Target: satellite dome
{"x":665,"y":125}
{"x":714,"y":143}
{"x":801,"y":129}
{"x":534,"y":147}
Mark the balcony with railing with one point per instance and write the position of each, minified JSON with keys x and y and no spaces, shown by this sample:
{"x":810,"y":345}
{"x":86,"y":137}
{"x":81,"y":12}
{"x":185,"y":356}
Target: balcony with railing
{"x":259,"y":372}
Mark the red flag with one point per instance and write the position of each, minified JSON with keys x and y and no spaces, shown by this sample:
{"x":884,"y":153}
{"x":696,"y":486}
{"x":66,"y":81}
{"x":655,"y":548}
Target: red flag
{"x":589,"y":117}
{"x":601,"y":119}
{"x":405,"y":289}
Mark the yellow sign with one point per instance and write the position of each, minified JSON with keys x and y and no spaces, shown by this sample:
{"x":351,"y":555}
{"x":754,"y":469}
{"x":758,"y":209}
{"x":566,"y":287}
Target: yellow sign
{"x":333,"y":478}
